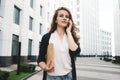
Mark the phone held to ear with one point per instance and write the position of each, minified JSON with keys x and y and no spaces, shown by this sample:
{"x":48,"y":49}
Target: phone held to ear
{"x":68,"y":24}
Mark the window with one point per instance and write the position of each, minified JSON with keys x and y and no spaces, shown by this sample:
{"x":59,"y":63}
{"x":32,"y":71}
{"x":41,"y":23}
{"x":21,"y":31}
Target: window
{"x":78,"y":9}
{"x":78,"y":2}
{"x":16,"y":17}
{"x":0,"y":8}
{"x":78,"y":16}
{"x":15,"y":48}
{"x":30,"y":23}
{"x":40,"y":29}
{"x":48,"y":16}
{"x":119,"y":3}
{"x":0,"y":3}
{"x":78,"y":23}
{"x":31,"y":3}
{"x":41,"y":10}
{"x":15,"y":40}
{"x":29,"y":48}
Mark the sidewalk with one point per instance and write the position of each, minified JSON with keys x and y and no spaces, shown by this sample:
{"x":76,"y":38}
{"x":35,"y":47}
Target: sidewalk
{"x":91,"y":69}
{"x":9,"y":68}
{"x":87,"y":69}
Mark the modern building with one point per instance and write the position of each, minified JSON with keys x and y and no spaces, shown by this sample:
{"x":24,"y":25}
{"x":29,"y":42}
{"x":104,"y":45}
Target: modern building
{"x":117,"y":28}
{"x":105,"y":43}
{"x":20,"y":21}
{"x":89,"y":27}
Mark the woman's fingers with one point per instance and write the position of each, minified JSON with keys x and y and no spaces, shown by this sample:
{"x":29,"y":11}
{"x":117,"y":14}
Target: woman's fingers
{"x":50,"y":66}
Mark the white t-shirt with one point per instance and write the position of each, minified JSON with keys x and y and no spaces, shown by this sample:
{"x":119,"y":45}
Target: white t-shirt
{"x":62,"y":61}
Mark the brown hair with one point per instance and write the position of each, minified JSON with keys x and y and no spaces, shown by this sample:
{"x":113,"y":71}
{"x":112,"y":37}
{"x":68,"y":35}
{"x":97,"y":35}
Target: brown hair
{"x":54,"y":24}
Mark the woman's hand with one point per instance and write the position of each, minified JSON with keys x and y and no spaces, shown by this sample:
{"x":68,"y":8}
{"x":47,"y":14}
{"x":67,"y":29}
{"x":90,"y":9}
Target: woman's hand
{"x":49,"y":67}
{"x":69,"y":27}
{"x":46,"y":67}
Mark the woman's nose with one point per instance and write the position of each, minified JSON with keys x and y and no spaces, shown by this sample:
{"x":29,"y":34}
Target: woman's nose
{"x":64,"y":17}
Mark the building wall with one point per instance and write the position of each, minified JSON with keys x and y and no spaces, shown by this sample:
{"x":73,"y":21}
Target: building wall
{"x":89,"y":27}
{"x":105,"y":43}
{"x":8,"y":28}
{"x":117,"y":27}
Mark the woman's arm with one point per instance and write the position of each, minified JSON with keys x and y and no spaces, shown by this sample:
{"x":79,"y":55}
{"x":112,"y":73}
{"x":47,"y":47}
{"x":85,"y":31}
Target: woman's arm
{"x":45,"y":67}
{"x":72,"y":45}
{"x":42,"y":53}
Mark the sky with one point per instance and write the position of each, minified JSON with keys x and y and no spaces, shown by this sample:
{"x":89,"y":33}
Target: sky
{"x":106,"y":14}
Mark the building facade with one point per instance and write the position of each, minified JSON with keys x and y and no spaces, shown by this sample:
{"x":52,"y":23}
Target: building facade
{"x":89,"y":27}
{"x":25,"y":21}
{"x":20,"y":21}
{"x":117,"y":28}
{"x":105,"y":43}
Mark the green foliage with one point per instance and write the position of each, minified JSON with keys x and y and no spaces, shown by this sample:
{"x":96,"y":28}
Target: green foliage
{"x":14,"y":76}
{"x":27,"y":68}
{"x":4,"y":75}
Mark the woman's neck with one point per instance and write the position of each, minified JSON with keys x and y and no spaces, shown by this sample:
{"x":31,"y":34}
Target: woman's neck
{"x":60,"y":31}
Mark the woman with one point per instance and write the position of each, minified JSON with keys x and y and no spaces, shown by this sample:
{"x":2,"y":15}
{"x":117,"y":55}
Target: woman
{"x":63,"y":35}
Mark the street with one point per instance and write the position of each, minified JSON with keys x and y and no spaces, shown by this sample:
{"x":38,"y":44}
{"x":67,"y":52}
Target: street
{"x":91,"y":69}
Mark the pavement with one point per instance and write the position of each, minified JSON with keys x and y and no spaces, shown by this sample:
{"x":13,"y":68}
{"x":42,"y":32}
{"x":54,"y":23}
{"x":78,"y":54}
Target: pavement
{"x":87,"y":69}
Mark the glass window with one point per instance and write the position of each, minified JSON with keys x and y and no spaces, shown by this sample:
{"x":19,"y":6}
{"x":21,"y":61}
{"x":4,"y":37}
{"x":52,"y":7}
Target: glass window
{"x":78,"y":23}
{"x":48,"y":16}
{"x":29,"y":47}
{"x":78,"y":16}
{"x":78,"y":9}
{"x":31,"y":3}
{"x":0,"y":3}
{"x":0,"y":7}
{"x":16,"y":17}
{"x":15,"y":40}
{"x":41,"y":10}
{"x":119,"y":3}
{"x":40,"y":29}
{"x":78,"y":2}
{"x":30,"y":23}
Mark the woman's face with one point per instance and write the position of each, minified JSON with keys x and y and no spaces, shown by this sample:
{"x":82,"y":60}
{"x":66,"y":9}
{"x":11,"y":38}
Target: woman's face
{"x":62,"y":18}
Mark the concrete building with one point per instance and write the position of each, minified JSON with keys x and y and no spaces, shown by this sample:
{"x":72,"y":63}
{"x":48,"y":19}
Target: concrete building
{"x":117,"y":28}
{"x":89,"y":27}
{"x":105,"y":43}
{"x":20,"y":21}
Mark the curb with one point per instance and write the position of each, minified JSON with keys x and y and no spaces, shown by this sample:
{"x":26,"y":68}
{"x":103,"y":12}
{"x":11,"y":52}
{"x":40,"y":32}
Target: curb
{"x":25,"y":78}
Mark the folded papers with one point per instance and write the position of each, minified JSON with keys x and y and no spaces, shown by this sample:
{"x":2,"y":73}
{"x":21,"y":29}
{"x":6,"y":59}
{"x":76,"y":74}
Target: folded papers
{"x":50,"y":55}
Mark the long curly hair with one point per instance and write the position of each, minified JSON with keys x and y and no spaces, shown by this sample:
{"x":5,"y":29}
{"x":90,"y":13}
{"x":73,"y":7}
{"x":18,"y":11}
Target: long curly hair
{"x":74,"y":29}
